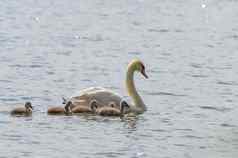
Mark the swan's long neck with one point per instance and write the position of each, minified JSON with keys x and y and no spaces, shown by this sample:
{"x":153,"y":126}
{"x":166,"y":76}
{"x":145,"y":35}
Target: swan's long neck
{"x":139,"y":105}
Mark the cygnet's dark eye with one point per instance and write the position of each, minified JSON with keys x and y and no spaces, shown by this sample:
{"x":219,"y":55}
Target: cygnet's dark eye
{"x":112,"y":105}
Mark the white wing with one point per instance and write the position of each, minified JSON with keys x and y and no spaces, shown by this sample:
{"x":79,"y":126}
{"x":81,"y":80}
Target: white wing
{"x":102,"y":95}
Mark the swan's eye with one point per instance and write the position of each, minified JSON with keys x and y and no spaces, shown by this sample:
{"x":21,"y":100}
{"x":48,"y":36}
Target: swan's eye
{"x":142,"y":67}
{"x":112,"y":105}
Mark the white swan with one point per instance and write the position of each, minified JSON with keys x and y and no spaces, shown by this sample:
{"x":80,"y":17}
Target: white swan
{"x":106,"y":96}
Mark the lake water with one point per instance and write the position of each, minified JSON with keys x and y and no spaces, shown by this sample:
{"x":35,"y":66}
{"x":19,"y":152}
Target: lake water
{"x":50,"y":49}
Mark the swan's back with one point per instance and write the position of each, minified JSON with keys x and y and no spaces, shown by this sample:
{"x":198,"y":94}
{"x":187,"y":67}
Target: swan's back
{"x":101,"y":95}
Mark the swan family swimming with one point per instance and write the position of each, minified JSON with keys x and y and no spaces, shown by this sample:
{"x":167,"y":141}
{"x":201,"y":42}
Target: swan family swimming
{"x":99,"y":100}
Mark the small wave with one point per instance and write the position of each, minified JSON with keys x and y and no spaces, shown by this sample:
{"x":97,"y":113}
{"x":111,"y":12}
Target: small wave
{"x":199,"y":76}
{"x":235,"y":37}
{"x":192,"y":136}
{"x":220,"y":109}
{"x":97,"y":38}
{"x":35,"y":66}
{"x":13,"y":136}
{"x":65,"y":53}
{"x":8,"y":99}
{"x":159,"y":130}
{"x":178,"y":30}
{"x":86,"y":80}
{"x":158,"y":30}
{"x":136,"y":23}
{"x":109,"y":154}
{"x":181,"y":145}
{"x":50,"y":72}
{"x":183,"y":129}
{"x":156,"y":71}
{"x":17,"y":65}
{"x":202,"y":147}
{"x":6,"y":81}
{"x":209,"y":46}
{"x":229,"y":100}
{"x":195,"y":65}
{"x":229,"y":83}
{"x":166,"y":94}
{"x":134,"y":53}
{"x":25,"y":66}
{"x":219,"y":68}
{"x":199,"y":115}
{"x":103,"y":14}
{"x":26,"y":98}
{"x":227,"y":125}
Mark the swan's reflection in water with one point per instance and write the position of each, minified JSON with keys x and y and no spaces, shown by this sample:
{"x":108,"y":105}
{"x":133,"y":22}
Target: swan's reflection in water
{"x":130,"y":122}
{"x":135,"y":144}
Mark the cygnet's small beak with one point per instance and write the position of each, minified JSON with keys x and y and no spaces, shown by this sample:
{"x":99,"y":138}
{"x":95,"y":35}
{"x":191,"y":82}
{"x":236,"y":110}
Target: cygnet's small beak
{"x":64,"y":100}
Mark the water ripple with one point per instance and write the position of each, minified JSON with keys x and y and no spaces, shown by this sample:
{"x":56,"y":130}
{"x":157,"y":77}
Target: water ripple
{"x":227,"y":125}
{"x":196,"y":65}
{"x":158,"y":30}
{"x":134,"y":53}
{"x":200,"y":76}
{"x":165,"y":94}
{"x":230,"y":83}
{"x":220,"y":109}
{"x":6,"y":81}
{"x":192,"y":137}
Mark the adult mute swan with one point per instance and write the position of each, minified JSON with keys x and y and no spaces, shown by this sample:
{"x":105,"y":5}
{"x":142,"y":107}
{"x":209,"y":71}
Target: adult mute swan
{"x":106,"y":96}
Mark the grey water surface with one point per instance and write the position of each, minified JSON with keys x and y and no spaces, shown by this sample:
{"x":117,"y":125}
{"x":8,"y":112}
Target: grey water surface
{"x":52,"y":48}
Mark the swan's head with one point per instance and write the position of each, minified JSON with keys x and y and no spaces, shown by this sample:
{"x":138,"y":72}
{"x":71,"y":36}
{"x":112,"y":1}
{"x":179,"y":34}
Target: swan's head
{"x":28,"y":106}
{"x":138,"y":65}
{"x":93,"y":105}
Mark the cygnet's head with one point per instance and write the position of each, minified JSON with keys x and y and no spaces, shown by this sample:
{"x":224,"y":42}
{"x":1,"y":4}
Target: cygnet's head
{"x":28,"y":105}
{"x":93,"y":104}
{"x":124,"y":106}
{"x":68,"y":107}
